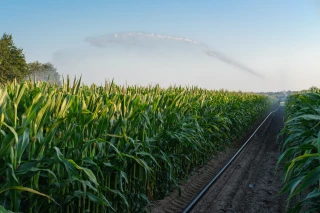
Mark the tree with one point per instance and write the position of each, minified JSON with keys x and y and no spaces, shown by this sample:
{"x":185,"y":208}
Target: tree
{"x":13,"y":64}
{"x":43,"y":72}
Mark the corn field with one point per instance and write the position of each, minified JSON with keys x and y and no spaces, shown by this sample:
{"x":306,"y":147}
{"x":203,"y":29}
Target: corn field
{"x":79,"y":148}
{"x":301,"y":151}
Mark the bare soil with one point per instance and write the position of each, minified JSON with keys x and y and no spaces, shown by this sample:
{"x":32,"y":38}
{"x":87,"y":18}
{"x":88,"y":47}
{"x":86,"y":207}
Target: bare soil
{"x":250,"y":184}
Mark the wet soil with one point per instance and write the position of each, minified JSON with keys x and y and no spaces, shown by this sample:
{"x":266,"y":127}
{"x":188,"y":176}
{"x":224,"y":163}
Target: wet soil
{"x":250,"y":184}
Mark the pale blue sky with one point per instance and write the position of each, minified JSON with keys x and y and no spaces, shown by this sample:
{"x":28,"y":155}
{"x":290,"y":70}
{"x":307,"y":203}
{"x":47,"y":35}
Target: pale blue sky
{"x":278,"y":39}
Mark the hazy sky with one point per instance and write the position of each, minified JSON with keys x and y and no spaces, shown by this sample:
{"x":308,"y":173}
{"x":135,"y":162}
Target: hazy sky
{"x":268,"y":45}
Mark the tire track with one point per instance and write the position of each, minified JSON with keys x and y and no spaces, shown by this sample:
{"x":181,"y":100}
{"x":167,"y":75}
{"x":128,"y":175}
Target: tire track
{"x":231,"y":192}
{"x":251,"y":183}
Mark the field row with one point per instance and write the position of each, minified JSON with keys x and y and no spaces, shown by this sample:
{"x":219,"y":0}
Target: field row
{"x":77,"y":148}
{"x":301,"y":150}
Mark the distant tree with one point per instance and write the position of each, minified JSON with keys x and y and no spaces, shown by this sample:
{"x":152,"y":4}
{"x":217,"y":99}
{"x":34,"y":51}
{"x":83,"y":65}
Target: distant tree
{"x":43,"y":72}
{"x":13,"y":64}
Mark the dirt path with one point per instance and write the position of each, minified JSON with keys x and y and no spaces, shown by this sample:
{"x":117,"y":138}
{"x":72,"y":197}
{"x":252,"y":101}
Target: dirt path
{"x":250,"y":184}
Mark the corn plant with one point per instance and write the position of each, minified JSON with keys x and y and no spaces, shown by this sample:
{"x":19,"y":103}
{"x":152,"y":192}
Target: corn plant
{"x":301,"y":151}
{"x":79,"y":148}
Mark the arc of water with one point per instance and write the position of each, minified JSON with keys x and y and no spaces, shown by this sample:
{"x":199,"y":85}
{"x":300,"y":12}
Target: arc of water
{"x":124,"y":38}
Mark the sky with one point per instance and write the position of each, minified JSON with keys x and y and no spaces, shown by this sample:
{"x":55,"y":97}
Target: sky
{"x":245,"y":45}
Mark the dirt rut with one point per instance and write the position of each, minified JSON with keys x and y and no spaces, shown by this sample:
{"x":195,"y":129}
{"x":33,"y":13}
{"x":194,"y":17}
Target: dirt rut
{"x":250,"y":184}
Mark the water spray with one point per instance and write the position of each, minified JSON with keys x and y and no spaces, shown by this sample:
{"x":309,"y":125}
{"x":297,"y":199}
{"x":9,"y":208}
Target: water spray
{"x":136,"y":38}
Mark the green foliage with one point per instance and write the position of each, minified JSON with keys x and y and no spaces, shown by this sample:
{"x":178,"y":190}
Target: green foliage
{"x":111,"y":148}
{"x":302,"y":149}
{"x":12,"y":61}
{"x":43,"y":72}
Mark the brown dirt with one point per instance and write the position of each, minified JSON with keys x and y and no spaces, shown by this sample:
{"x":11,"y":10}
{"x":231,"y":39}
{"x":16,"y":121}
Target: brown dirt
{"x":250,"y":184}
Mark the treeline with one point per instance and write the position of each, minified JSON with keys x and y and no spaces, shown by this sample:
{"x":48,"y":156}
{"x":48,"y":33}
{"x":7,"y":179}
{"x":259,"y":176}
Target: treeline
{"x":13,"y":65}
{"x":278,"y":95}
